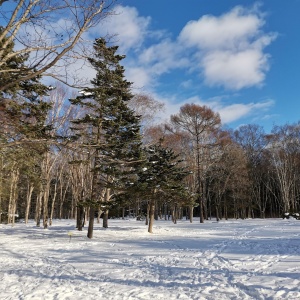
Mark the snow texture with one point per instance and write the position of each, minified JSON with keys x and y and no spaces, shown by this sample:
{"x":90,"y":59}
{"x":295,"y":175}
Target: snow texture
{"x":235,"y":259}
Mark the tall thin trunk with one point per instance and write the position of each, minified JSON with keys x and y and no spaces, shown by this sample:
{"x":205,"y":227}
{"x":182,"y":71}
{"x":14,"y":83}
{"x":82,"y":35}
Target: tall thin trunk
{"x":53,"y":203}
{"x":174,"y":214}
{"x":105,"y":219}
{"x":91,"y":222}
{"x":45,"y":205}
{"x":13,"y":196}
{"x":63,"y":197}
{"x":30,"y":189}
{"x":156,"y":211}
{"x":137,"y":210}
{"x":99,"y":213}
{"x":94,"y":197}
{"x":205,"y":210}
{"x":191,"y":210}
{"x":105,"y":215}
{"x":80,"y":217}
{"x":217,"y":213}
{"x":47,"y":166}
{"x":166,"y":211}
{"x":38,"y":208}
{"x":147,"y":214}
{"x":95,"y":173}
{"x":151,"y":215}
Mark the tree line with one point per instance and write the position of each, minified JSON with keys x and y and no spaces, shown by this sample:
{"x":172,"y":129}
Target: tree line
{"x":96,"y":153}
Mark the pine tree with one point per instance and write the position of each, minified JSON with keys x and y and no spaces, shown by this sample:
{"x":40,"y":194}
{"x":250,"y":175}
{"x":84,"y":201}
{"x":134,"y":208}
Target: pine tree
{"x":22,"y":109}
{"x":108,"y":129}
{"x":161,"y":176}
{"x":23,"y":113}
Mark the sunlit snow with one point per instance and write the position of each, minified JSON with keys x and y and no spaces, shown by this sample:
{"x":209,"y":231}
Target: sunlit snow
{"x":235,"y":259}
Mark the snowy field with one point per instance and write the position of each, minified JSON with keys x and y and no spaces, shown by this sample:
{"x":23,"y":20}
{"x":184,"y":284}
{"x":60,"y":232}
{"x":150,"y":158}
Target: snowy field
{"x":236,"y":259}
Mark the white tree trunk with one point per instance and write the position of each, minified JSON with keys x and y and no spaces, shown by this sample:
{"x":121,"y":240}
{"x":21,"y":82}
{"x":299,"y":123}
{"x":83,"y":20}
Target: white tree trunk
{"x":12,"y":205}
{"x":28,"y":200}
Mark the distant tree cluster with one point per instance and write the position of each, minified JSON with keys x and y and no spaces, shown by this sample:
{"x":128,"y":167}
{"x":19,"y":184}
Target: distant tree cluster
{"x":98,"y":154}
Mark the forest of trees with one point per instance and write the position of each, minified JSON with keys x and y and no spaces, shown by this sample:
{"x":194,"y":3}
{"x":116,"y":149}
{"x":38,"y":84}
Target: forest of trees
{"x":97,"y":152}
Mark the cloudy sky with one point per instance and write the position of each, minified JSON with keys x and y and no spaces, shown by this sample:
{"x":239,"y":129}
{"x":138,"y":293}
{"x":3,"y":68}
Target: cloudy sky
{"x":241,"y":58}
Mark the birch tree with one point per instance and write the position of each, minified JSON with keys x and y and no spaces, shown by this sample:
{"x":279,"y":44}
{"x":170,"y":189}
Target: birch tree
{"x":49,"y":33}
{"x":283,"y":149}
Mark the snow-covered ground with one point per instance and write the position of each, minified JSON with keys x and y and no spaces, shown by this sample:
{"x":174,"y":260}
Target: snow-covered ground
{"x":236,"y":259}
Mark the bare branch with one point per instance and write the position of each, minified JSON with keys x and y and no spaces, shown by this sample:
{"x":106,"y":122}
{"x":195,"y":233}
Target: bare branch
{"x":49,"y":31}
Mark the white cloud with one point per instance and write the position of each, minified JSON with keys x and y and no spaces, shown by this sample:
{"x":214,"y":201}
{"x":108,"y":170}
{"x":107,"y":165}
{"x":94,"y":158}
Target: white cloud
{"x":187,"y":84}
{"x":230,"y":48}
{"x":126,"y":26}
{"x":129,"y":30}
{"x":228,"y":31}
{"x":139,"y":76}
{"x":162,"y":57}
{"x":228,"y":112}
{"x":235,"y":70}
{"x":238,"y":111}
{"x":227,"y":50}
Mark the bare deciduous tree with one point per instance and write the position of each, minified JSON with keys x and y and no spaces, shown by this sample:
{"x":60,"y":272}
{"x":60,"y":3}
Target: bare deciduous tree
{"x":200,"y":123}
{"x":50,"y":33}
{"x":283,"y":148}
{"x":147,"y":108}
{"x":252,"y":139}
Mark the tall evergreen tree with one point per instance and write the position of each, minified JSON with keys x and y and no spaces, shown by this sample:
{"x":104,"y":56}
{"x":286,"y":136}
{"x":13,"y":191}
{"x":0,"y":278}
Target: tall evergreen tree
{"x":108,"y":129}
{"x":162,"y":176}
{"x":22,"y":109}
{"x":23,"y":114}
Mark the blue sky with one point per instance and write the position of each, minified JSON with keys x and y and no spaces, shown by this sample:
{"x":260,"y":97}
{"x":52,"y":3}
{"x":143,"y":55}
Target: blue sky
{"x":241,"y":58}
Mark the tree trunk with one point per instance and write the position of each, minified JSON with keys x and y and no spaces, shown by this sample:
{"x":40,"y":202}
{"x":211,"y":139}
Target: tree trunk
{"x":205,"y":210}
{"x":217,"y":213}
{"x":45,"y":205}
{"x":28,"y":200}
{"x":99,"y":213}
{"x":166,"y":211}
{"x":13,"y":196}
{"x":46,"y":166}
{"x":156,"y":211}
{"x":174,"y":214}
{"x":80,"y":217}
{"x":93,"y":196}
{"x":53,"y":203}
{"x":201,"y":209}
{"x":63,"y":197}
{"x":198,"y":182}
{"x":151,"y":215}
{"x":191,"y":210}
{"x":105,"y":219}
{"x":91,"y":222}
{"x":105,"y":215}
{"x":38,"y":208}
{"x":147,"y":215}
{"x":160,"y":212}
